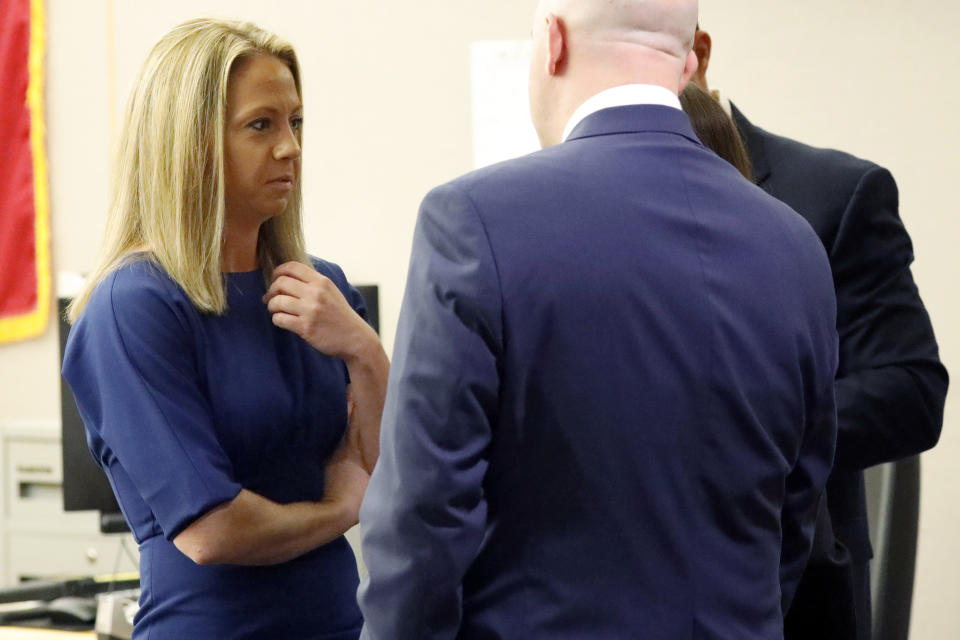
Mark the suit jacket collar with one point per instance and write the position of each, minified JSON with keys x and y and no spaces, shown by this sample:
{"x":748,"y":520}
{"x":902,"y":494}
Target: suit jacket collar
{"x":753,"y":138}
{"x":634,"y":119}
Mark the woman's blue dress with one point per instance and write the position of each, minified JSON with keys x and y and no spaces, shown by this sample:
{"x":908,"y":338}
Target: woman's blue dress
{"x":182,"y":410}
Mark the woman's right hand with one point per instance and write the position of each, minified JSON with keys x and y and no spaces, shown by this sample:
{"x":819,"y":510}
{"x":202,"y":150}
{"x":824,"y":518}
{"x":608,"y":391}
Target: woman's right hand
{"x":309,"y":304}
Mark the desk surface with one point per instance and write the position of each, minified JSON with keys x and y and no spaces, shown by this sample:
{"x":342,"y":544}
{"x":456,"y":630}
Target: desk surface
{"x":23,"y":633}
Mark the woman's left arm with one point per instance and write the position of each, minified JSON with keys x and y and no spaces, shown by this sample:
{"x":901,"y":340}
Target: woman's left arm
{"x":309,"y":304}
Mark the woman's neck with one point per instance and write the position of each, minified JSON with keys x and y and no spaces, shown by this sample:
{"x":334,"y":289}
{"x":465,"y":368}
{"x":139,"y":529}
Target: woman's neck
{"x":239,"y":249}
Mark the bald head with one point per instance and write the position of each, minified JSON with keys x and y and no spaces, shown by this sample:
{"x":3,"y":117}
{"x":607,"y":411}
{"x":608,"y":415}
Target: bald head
{"x":582,"y":47}
{"x":666,"y":26}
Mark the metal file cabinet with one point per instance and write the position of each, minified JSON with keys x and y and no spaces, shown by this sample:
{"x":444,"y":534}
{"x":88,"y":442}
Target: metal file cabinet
{"x":38,"y":539}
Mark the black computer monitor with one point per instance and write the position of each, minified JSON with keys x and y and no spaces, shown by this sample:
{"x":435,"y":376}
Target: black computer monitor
{"x":371,"y":296}
{"x":85,"y":487}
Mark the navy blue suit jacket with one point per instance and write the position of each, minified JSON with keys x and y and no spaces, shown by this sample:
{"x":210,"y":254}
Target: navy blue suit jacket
{"x":610,"y":411}
{"x":891,"y":386}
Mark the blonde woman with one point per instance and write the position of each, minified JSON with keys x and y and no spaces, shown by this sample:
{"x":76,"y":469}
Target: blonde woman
{"x":213,"y":361}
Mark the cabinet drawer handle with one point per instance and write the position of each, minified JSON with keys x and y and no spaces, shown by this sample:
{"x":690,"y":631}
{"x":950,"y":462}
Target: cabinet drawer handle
{"x":34,"y":468}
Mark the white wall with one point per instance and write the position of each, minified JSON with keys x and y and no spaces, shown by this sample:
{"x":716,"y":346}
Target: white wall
{"x":387,"y":101}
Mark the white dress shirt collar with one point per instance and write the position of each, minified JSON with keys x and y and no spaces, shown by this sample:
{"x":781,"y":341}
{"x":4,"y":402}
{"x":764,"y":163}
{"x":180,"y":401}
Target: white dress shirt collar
{"x":621,"y":96}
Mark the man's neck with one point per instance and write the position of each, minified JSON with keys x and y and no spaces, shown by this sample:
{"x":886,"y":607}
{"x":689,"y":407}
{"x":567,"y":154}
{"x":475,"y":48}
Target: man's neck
{"x":623,"y":95}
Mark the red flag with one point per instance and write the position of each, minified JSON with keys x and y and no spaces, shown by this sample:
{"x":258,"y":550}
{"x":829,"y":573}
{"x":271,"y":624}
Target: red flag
{"x":24,"y":211}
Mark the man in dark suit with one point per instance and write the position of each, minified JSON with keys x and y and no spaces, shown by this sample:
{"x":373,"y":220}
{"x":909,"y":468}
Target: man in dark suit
{"x":891,"y":385}
{"x":610,"y":412}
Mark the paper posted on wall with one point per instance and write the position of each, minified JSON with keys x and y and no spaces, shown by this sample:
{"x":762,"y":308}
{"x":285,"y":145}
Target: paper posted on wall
{"x":501,"y":111}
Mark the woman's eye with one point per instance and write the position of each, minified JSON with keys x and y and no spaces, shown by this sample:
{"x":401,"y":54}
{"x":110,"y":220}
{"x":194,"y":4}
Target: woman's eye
{"x":260,"y":124}
{"x":296,"y":122}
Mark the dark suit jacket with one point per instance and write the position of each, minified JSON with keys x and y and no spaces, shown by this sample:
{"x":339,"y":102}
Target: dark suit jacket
{"x":891,"y":385}
{"x":610,"y":412}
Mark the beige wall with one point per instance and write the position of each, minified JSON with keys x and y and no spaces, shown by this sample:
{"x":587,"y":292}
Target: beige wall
{"x":388,"y":115}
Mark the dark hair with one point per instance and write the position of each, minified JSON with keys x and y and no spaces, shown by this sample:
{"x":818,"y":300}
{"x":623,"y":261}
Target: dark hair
{"x":715,"y":128}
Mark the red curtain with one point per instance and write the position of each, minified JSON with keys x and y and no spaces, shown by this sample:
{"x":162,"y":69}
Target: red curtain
{"x":24,"y":233}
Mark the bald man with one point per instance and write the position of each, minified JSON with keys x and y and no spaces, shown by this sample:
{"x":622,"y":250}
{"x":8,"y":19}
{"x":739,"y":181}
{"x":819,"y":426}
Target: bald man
{"x":610,"y":412}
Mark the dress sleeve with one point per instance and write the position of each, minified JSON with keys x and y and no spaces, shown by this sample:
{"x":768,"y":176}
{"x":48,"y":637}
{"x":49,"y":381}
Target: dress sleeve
{"x":131,"y":362}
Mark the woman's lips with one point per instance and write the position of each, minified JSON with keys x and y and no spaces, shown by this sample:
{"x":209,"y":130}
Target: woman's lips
{"x":283,"y":182}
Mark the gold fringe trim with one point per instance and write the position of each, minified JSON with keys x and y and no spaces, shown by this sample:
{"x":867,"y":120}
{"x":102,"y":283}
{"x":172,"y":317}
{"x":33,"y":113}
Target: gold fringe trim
{"x":34,"y":323}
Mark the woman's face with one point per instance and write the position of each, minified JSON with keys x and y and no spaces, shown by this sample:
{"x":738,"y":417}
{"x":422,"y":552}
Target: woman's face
{"x":262,"y":140}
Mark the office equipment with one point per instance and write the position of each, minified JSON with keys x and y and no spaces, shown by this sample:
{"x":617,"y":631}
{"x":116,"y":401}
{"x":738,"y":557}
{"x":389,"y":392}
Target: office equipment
{"x":371,"y":296}
{"x":893,"y":509}
{"x":85,"y":486}
{"x":63,"y":613}
{"x":115,"y":613}
{"x":16,"y":633}
{"x":72,"y":604}
{"x":38,"y":539}
{"x":48,"y":590}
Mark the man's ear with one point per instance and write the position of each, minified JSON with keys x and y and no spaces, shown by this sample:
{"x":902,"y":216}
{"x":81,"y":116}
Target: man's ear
{"x":702,"y":44}
{"x":556,"y":45}
{"x":689,"y":71}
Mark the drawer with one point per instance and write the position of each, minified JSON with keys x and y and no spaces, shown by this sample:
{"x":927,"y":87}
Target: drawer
{"x":38,"y":555}
{"x":33,"y":477}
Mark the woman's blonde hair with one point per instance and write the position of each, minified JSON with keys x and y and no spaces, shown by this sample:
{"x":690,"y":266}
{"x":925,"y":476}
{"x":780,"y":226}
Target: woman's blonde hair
{"x":168,"y":193}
